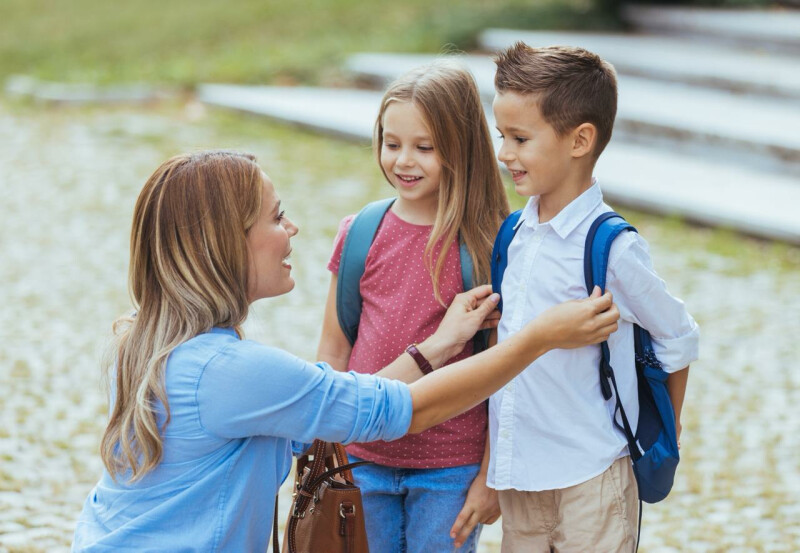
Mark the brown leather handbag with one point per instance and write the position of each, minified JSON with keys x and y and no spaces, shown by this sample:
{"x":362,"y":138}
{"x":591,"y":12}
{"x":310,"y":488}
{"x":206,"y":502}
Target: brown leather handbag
{"x":326,"y":515}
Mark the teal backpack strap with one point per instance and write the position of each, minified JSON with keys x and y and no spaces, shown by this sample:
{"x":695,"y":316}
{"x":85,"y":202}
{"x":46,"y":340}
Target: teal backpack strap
{"x":351,"y":267}
{"x":466,"y":267}
{"x":481,"y":340}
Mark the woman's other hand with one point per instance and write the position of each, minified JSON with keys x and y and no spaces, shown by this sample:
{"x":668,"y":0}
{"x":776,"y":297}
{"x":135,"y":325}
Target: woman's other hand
{"x":469,"y":312}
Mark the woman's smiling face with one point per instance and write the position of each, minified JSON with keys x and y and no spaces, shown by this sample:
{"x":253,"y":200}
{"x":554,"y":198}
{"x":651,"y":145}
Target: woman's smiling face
{"x":268,"y":243}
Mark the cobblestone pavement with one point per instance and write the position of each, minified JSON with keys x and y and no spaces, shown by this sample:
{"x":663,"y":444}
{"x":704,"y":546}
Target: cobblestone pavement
{"x":69,"y":180}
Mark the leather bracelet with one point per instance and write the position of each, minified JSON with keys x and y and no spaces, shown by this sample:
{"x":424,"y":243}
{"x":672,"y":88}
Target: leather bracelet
{"x":424,"y":364}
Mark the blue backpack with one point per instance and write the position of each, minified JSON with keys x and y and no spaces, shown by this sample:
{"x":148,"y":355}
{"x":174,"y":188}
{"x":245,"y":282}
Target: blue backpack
{"x":351,"y":268}
{"x":654,"y":447}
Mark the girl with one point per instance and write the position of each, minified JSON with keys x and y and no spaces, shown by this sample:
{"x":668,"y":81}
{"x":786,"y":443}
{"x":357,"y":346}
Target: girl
{"x":198,"y":440}
{"x":433,"y":146}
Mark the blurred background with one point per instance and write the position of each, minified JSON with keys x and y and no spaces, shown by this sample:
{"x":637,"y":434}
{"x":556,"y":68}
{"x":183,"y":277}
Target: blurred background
{"x":705,"y":161}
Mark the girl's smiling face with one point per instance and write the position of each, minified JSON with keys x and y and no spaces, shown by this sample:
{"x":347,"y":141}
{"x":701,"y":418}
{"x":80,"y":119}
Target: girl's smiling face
{"x":408,"y":156}
{"x":268,"y":244}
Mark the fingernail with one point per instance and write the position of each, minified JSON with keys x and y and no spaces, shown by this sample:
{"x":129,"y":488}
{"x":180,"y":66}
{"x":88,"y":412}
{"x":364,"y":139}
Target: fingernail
{"x":494,"y":298}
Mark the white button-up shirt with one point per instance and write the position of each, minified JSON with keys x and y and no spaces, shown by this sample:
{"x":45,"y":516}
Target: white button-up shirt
{"x":550,"y":427}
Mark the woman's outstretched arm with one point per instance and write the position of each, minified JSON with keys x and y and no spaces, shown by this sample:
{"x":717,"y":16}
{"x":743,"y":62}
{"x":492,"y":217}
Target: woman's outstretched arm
{"x":458,"y":387}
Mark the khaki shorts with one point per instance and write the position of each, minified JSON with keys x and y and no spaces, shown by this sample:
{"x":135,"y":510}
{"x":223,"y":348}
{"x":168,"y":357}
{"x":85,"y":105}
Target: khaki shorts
{"x":600,"y":515}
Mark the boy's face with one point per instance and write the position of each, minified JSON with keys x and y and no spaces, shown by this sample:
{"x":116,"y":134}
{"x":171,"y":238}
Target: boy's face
{"x":539,"y":159}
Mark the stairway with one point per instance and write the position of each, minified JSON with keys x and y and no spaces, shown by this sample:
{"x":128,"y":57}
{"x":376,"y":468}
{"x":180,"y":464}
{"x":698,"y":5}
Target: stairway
{"x":708,"y":126}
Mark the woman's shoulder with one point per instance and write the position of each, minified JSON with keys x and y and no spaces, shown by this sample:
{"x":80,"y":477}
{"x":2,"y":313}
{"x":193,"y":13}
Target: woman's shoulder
{"x":225,"y":343}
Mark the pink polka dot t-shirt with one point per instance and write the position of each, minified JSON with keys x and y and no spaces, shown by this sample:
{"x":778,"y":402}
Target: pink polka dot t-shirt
{"x":399,"y":308}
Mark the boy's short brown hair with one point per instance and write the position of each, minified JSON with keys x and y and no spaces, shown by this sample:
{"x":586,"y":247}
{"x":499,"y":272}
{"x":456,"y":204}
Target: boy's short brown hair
{"x":572,"y":85}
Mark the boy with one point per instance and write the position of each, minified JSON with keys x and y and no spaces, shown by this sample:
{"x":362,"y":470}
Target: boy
{"x":560,"y":465}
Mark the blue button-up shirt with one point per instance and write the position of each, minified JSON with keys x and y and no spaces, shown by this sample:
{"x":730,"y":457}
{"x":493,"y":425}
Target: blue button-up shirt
{"x":235,"y":406}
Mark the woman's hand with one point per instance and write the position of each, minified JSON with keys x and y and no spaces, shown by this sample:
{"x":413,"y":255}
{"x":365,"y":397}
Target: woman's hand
{"x":470,"y":312}
{"x":578,"y":323}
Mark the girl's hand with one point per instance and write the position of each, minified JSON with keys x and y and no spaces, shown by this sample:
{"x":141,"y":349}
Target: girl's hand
{"x":578,"y":323}
{"x":470,"y":312}
{"x":480,"y":507}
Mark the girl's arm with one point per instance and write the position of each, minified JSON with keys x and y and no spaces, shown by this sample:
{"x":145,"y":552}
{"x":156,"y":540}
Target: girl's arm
{"x":334,"y":348}
{"x":461,"y":385}
{"x":480,"y":507}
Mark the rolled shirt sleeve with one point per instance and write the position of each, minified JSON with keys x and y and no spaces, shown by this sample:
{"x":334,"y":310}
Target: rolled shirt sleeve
{"x":642,"y":298}
{"x":249,"y":389}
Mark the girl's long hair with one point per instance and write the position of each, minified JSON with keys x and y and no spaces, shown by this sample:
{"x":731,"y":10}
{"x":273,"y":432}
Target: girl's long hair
{"x":472,"y":199}
{"x":188,"y":273}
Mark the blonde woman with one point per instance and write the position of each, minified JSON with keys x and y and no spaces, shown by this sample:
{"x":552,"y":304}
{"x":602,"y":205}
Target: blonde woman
{"x":202,"y":421}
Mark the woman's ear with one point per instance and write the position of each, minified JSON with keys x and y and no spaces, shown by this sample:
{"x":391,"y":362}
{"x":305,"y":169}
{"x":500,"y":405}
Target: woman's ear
{"x":584,"y":139}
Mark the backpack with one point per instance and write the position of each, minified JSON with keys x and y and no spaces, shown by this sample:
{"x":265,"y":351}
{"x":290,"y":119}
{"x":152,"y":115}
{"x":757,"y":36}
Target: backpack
{"x":654,"y":446}
{"x":351,"y":268}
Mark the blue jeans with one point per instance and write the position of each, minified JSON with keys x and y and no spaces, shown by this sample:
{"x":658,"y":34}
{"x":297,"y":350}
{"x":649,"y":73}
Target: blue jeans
{"x":412,"y":510}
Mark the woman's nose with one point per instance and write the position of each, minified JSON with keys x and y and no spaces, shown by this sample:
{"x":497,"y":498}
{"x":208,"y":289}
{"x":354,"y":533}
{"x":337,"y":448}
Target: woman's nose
{"x":290,"y":227}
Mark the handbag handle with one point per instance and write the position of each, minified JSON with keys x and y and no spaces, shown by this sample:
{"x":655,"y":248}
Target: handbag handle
{"x":322,"y":452}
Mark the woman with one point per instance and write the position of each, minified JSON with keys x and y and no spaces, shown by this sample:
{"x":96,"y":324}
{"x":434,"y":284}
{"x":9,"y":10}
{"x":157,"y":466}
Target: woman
{"x":201,"y":425}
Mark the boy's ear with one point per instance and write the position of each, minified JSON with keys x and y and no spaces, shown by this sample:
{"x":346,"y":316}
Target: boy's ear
{"x":584,"y":139}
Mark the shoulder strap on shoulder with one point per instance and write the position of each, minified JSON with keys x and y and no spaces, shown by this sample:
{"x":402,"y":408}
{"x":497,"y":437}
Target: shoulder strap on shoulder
{"x":601,"y":235}
{"x":351,"y":267}
{"x":500,"y":251}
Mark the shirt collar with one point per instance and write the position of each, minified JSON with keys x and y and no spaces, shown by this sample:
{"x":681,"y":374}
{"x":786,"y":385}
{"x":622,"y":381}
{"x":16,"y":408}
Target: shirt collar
{"x":224,"y":330}
{"x":568,"y":218}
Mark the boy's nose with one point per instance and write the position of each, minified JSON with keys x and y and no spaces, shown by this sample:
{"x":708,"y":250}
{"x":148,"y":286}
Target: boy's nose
{"x":504,"y":154}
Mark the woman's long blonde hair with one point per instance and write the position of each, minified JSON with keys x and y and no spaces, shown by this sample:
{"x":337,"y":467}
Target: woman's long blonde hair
{"x":472,"y":199}
{"x":188,"y":273}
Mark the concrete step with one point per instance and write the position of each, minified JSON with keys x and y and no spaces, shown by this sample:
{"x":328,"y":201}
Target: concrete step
{"x":776,"y":29}
{"x":748,"y":129}
{"x":668,"y":59}
{"x":340,"y":112}
{"x":755,"y":202}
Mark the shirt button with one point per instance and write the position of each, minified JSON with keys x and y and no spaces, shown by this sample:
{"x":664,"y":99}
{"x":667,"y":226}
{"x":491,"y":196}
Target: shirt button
{"x":504,"y":434}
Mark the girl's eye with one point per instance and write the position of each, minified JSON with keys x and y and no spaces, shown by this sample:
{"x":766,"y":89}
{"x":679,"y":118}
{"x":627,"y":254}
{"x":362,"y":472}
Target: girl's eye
{"x":390,"y":145}
{"x":425,"y":148}
{"x":281,"y":215}
{"x":520,"y":139}
{"x":500,"y":136}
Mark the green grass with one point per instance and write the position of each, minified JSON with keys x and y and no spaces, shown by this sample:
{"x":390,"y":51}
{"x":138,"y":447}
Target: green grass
{"x":184,"y":42}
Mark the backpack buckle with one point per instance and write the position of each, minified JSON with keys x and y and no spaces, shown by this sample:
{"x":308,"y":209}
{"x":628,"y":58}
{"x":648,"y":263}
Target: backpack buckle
{"x":605,"y":374}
